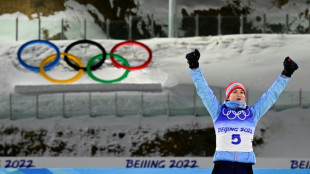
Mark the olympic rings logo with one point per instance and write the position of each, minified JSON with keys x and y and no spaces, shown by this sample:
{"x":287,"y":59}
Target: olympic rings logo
{"x":78,"y":65}
{"x":242,"y":115}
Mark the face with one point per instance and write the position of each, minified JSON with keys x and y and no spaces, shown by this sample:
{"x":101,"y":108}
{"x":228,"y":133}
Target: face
{"x":237,"y":95}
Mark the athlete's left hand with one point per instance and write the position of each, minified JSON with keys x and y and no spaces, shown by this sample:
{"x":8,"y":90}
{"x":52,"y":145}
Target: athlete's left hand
{"x":289,"y":67}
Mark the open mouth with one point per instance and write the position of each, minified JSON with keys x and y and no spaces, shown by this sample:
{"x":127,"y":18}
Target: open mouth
{"x":238,"y":99}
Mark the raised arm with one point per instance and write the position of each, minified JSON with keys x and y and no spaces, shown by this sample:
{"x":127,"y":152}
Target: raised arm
{"x":272,"y":94}
{"x":203,"y":89}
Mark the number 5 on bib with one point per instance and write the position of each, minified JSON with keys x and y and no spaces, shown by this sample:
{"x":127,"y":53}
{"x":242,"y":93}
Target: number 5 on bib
{"x":235,"y":139}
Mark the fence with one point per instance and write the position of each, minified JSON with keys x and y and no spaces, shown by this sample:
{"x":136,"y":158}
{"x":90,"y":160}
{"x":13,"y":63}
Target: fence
{"x":137,"y":27}
{"x":120,"y":104}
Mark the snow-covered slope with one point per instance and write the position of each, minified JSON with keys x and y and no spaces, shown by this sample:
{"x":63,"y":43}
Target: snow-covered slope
{"x":255,"y":60}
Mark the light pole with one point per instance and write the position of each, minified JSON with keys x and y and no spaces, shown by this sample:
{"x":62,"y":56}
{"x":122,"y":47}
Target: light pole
{"x":172,"y":11}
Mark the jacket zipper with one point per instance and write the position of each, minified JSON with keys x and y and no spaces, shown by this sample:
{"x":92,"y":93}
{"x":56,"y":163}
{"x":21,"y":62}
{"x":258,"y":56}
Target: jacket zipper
{"x":235,"y":156}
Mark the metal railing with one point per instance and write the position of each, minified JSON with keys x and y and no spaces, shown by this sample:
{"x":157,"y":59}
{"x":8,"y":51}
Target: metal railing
{"x":149,"y":27}
{"x":120,"y":104}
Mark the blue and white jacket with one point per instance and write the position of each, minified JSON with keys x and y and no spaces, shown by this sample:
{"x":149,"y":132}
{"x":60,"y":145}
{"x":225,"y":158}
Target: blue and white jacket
{"x":235,"y":128}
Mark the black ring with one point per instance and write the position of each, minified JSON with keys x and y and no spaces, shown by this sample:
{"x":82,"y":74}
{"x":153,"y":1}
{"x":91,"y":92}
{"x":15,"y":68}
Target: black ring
{"x":94,"y":66}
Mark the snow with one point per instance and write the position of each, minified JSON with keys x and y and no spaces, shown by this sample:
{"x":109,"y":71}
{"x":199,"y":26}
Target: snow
{"x":253,"y":59}
{"x":223,"y":59}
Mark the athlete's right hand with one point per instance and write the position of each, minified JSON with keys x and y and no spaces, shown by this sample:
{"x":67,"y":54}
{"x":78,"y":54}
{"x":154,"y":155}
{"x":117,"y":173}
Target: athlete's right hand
{"x":192,"y":59}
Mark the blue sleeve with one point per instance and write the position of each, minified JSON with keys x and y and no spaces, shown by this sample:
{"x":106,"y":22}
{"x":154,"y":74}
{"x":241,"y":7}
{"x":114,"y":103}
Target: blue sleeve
{"x":269,"y":98}
{"x":206,"y":94}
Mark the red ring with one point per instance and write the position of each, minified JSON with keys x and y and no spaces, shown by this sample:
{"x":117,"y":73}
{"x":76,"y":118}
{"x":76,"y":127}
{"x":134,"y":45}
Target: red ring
{"x":131,"y":68}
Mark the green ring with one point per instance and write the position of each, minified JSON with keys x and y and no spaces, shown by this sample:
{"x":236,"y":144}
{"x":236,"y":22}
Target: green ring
{"x":92,"y":60}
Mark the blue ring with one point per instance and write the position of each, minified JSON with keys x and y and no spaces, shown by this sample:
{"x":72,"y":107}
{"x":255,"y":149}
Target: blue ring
{"x":33,"y":68}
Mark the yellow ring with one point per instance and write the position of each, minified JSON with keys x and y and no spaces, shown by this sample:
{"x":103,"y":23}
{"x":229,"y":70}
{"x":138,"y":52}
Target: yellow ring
{"x":70,"y":56}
